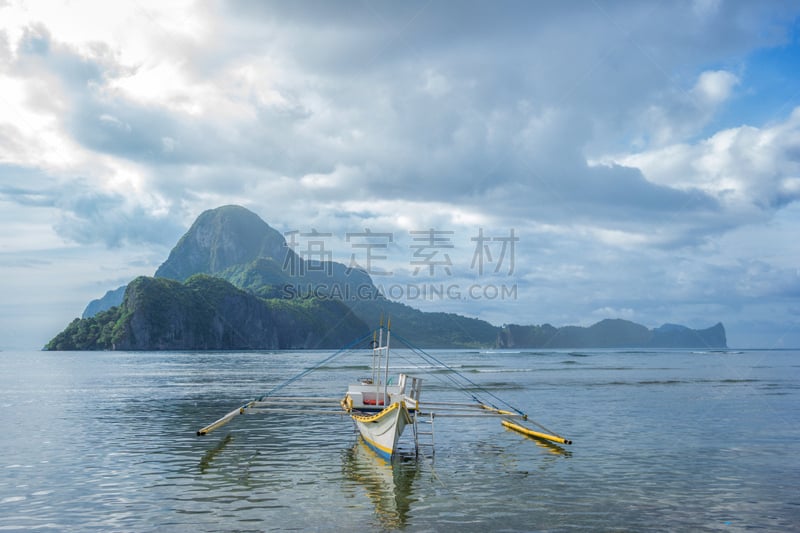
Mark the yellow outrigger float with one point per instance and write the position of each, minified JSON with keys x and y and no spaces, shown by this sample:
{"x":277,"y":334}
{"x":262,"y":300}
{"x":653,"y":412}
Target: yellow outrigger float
{"x":535,"y":434}
{"x":381,"y":409}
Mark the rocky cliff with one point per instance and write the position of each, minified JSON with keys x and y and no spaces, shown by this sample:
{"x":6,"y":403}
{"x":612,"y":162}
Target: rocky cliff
{"x":207,"y":313}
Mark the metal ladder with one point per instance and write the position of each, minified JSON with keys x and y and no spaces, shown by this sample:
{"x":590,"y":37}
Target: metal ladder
{"x":418,"y":443}
{"x":415,"y":389}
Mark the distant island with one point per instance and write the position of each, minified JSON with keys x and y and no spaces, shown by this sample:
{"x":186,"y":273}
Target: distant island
{"x":232,"y":283}
{"x":611,"y":333}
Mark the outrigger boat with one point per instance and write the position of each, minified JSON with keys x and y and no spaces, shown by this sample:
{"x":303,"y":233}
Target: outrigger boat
{"x":381,"y":409}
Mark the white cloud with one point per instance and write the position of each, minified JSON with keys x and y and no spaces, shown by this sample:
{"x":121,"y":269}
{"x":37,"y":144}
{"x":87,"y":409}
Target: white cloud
{"x":677,"y":113}
{"x":714,"y":87}
{"x":750,"y":170}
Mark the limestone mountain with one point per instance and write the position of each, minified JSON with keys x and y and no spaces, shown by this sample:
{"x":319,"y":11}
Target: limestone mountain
{"x":233,"y":282}
{"x":234,"y":244}
{"x":221,"y":238}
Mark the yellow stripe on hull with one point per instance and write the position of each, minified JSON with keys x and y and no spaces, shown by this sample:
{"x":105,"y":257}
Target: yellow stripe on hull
{"x":381,"y":431}
{"x":387,"y":452}
{"x":377,"y":416}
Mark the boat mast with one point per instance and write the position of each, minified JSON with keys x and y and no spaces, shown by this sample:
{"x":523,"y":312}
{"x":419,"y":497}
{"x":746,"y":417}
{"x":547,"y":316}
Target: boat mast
{"x":376,"y":369}
{"x":374,"y":355}
{"x":386,"y":375}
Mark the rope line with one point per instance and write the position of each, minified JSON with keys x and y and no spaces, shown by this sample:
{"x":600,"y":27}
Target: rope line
{"x":431,"y":359}
{"x":446,"y":379}
{"x":422,"y":353}
{"x":314,"y":367}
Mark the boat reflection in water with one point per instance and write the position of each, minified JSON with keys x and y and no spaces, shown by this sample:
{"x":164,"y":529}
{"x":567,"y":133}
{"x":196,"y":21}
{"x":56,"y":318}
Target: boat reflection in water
{"x":548,"y":446}
{"x":210,"y":455}
{"x":555,"y":449}
{"x":387,"y":484}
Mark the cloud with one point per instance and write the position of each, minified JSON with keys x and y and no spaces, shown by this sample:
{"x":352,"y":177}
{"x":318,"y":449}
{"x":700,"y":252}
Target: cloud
{"x":677,"y":113}
{"x":751,"y":171}
{"x":502,"y":131}
{"x":89,"y":216}
{"x":86,"y":215}
{"x":11,"y":175}
{"x":595,"y":133}
{"x":714,"y":87}
{"x":500,"y":128}
{"x":74,"y":85}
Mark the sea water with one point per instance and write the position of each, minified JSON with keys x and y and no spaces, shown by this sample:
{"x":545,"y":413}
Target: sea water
{"x":663,"y":440}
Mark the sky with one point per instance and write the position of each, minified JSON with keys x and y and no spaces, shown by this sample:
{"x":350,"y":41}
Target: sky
{"x":521,"y":162}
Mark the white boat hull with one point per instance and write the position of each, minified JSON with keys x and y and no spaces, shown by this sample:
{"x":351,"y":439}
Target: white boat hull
{"x":382,"y":430}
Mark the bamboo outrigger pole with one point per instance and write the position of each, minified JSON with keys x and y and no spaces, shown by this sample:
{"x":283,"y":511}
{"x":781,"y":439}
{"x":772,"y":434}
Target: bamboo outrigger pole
{"x":222,"y":421}
{"x":241,"y":410}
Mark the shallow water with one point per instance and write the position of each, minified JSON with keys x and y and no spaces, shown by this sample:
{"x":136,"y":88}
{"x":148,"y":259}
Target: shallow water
{"x":662,"y":441}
